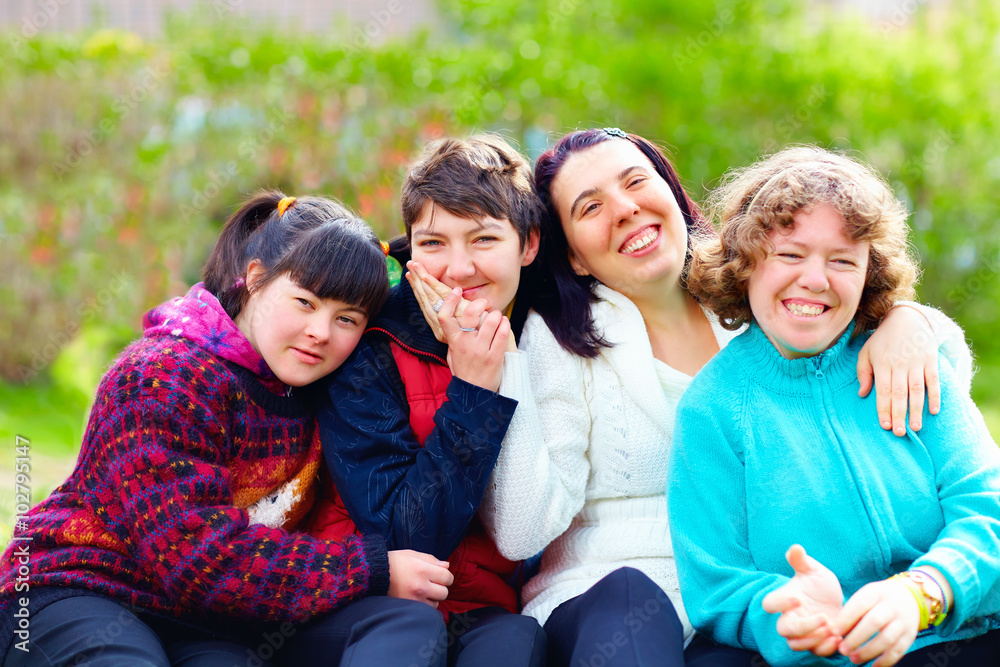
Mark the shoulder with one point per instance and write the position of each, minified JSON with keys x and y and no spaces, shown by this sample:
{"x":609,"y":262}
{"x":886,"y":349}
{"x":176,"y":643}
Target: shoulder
{"x":721,"y":382}
{"x":162,"y":366}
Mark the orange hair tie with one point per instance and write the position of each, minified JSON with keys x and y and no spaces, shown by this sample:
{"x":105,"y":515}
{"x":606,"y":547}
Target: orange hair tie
{"x":385,"y":248}
{"x":285,"y":204}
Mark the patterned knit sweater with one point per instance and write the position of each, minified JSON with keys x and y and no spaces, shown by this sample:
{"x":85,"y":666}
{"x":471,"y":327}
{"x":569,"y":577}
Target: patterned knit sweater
{"x":188,"y":451}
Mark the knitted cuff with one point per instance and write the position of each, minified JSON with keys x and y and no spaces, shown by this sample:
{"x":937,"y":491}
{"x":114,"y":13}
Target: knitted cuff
{"x":378,"y":561}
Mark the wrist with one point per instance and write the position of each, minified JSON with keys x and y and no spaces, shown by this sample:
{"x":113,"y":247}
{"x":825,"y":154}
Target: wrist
{"x":928,"y":594}
{"x":915,"y":308}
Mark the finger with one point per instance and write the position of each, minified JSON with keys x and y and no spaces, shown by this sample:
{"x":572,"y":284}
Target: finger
{"x":800,"y":561}
{"x":883,"y":395}
{"x":810,"y":641}
{"x":781,"y":600}
{"x":892,"y":656}
{"x":502,"y":335}
{"x":472,"y":316}
{"x":433,"y":283}
{"x":871,"y":624}
{"x":886,"y":639}
{"x":933,"y":383}
{"x":900,"y":392}
{"x":866,"y":375}
{"x":446,"y":316}
{"x":828,"y":646}
{"x":916,"y":387}
{"x":792,"y":626}
{"x":441,"y":577}
{"x":857,"y":606}
{"x":436,"y":592}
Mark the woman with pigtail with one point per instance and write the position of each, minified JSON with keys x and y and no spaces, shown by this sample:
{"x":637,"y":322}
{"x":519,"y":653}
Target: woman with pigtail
{"x":173,"y":541}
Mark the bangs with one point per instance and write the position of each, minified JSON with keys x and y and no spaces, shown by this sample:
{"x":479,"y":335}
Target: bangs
{"x":331,"y":263}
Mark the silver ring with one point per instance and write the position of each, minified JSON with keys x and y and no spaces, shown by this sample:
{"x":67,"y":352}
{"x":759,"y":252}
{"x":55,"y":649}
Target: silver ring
{"x":436,"y":306}
{"x":469,"y":329}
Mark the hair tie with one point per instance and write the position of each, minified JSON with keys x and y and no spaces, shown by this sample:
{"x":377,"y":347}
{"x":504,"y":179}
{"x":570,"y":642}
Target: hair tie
{"x":238,"y":283}
{"x":285,"y":204}
{"x":615,"y":132}
{"x":385,"y":248}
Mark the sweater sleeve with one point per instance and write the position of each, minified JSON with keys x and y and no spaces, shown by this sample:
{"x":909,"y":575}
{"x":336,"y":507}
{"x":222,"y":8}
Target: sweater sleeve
{"x":540,"y":480}
{"x":418,"y":497}
{"x":723,"y":590}
{"x":160,"y":484}
{"x":967,"y":464}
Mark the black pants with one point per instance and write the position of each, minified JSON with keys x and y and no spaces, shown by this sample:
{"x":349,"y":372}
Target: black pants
{"x":99,"y":632}
{"x":364,"y":633}
{"x":625,"y":619}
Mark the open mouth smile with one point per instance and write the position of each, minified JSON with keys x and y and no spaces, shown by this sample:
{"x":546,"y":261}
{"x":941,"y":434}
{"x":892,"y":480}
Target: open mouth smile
{"x":641,"y":240}
{"x":805,"y":309}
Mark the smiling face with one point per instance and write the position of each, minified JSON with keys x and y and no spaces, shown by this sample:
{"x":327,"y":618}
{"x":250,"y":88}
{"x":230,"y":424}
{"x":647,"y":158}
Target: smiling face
{"x":621,"y":219}
{"x":806,"y":291}
{"x":301,"y":337}
{"x":483,"y":257}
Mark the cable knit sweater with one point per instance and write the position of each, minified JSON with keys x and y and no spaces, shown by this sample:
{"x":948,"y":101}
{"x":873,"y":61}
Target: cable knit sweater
{"x":772,"y":452}
{"x":190,"y":466}
{"x":583,"y":468}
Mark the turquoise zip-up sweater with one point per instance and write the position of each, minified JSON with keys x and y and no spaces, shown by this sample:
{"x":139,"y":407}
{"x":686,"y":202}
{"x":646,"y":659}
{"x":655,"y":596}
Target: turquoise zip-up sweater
{"x":771,"y":452}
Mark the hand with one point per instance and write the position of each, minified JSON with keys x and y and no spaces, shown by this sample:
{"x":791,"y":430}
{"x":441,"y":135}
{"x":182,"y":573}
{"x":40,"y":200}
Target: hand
{"x":807,"y":603}
{"x":901,"y":357}
{"x":477,"y":341}
{"x":883,"y":609}
{"x":418,"y":576}
{"x":429,"y":290}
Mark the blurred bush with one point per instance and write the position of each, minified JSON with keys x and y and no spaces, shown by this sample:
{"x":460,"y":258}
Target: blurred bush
{"x":120,"y":158}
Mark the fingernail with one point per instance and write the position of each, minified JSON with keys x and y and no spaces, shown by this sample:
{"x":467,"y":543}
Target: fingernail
{"x":886,"y":424}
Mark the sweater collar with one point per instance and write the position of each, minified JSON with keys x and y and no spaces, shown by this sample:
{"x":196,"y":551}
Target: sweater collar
{"x":403,"y":321}
{"x":837,"y":365}
{"x":200,"y":318}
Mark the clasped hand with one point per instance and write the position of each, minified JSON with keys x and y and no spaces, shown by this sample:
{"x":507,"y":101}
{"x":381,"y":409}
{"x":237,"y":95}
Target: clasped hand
{"x":879,"y":621}
{"x":477,"y":337}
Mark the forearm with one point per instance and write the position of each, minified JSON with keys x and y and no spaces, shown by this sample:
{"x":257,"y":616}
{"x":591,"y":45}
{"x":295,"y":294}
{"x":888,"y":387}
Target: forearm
{"x":539,"y":482}
{"x":417,"y":497}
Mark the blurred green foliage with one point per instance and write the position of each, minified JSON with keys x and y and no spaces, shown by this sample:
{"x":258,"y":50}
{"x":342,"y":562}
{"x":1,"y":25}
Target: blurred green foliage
{"x":120,"y":157}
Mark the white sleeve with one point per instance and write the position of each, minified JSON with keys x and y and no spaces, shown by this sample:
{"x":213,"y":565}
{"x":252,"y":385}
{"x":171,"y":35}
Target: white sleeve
{"x":540,"y":479}
{"x":953,"y":349}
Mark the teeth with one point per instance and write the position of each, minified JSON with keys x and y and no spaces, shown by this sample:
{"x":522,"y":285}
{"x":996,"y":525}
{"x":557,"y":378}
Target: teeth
{"x":648,"y":238}
{"x":807,"y":311}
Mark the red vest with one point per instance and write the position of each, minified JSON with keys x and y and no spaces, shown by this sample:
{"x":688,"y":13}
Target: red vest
{"x":480,"y":571}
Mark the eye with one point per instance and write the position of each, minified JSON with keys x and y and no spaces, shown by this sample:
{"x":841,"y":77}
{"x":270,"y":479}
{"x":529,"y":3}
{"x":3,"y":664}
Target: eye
{"x":347,"y":319}
{"x":306,"y":303}
{"x":844,"y":262}
{"x":789,"y":255}
{"x":636,"y":181}
{"x":485,"y":239}
{"x":590,"y":208}
{"x":429,"y":243}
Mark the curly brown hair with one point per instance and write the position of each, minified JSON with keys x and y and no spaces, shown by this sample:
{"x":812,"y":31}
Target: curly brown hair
{"x":753,"y":201}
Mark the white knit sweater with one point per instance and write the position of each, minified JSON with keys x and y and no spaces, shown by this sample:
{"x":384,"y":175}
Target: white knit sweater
{"x":583,"y":468}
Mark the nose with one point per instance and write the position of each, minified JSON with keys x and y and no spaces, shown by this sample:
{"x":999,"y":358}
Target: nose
{"x":460,"y":265}
{"x":813,"y":276}
{"x":623,"y":207}
{"x":319,"y":329}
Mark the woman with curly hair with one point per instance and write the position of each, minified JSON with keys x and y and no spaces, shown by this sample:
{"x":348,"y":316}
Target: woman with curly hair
{"x":776,"y":455}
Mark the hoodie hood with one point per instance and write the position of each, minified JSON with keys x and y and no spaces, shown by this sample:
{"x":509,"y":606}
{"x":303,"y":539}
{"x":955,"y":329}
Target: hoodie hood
{"x":200,"y":318}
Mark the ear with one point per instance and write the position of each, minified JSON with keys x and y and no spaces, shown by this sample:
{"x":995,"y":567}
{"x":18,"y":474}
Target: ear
{"x":531,"y":248}
{"x":255,"y":271}
{"x":578,"y":268}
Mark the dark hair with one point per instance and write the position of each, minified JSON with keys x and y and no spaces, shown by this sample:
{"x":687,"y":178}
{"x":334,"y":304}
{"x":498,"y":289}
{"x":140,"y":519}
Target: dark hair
{"x":475,"y":178}
{"x":317,"y":241}
{"x":562,"y":297}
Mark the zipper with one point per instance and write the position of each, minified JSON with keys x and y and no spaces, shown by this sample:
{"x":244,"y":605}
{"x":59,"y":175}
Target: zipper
{"x":411,"y":350}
